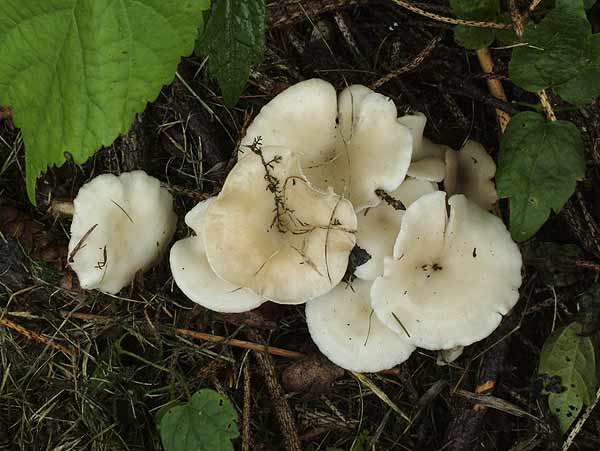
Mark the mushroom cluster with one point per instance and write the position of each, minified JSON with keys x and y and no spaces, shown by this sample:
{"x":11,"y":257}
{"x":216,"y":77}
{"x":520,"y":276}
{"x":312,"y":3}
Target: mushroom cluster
{"x":319,"y":176}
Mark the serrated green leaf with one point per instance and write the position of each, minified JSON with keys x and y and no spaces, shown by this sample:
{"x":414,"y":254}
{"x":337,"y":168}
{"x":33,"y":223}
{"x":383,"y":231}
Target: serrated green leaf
{"x":75,"y":72}
{"x":483,"y":10}
{"x":234,"y":40}
{"x":538,"y":167}
{"x":205,"y":423}
{"x":556,"y":50}
{"x":570,"y":358}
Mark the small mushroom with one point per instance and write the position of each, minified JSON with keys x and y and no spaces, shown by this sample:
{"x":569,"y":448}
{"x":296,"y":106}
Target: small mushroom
{"x":121,"y":225}
{"x":271,"y":231}
{"x":368,"y":149}
{"x":194,"y":276}
{"x":470,"y":172}
{"x":378,"y":227}
{"x":449,"y":281}
{"x":427,"y":157}
{"x":343,"y":326}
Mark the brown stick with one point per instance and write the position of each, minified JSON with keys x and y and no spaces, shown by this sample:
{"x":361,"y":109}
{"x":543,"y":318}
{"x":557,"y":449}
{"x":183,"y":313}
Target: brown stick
{"x":466,"y":23}
{"x":241,"y":344}
{"x":519,"y":25}
{"x":494,"y":85}
{"x":294,"y":355}
{"x":31,"y":335}
{"x":246,"y":433}
{"x":282,"y":407}
{"x":416,"y":62}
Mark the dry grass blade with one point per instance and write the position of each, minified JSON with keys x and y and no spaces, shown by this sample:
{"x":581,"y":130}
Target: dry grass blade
{"x":364,"y":380}
{"x":496,"y":403}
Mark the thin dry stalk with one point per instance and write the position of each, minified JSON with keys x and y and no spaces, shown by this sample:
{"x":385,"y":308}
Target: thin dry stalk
{"x":294,"y":355}
{"x":415,"y":63}
{"x":519,"y":26}
{"x":467,"y":23}
{"x":285,"y":417}
{"x":240,"y":344}
{"x":494,"y":85}
{"x":31,"y":335}
{"x":580,"y":422}
{"x":246,"y":434}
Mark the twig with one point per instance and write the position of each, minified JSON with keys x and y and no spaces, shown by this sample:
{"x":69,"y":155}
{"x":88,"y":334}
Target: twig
{"x":175,"y":189}
{"x":282,"y":407}
{"x":246,"y":437}
{"x":31,"y":335}
{"x":416,"y":62}
{"x":546,"y":105}
{"x":241,"y":344}
{"x":465,"y":427}
{"x":494,"y":85}
{"x":281,"y":13}
{"x":62,"y":208}
{"x":390,"y":200}
{"x":294,"y":355}
{"x":466,"y":23}
{"x":519,"y":26}
{"x":580,"y":422}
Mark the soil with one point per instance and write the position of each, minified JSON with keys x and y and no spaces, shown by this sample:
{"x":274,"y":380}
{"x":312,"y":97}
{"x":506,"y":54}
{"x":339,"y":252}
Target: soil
{"x":106,"y":365}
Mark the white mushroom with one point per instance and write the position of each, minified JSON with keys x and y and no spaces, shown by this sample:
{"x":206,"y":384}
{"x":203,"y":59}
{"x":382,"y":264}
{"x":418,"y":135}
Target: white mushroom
{"x":427,"y":157}
{"x":367,"y":150}
{"x":343,"y":326}
{"x":378,"y":227}
{"x":470,"y":172}
{"x":121,"y":225}
{"x":447,"y":356}
{"x":449,"y":282}
{"x":194,"y":276}
{"x":269,"y":230}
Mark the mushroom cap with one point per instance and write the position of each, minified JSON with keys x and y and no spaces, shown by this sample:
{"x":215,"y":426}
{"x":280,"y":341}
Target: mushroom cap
{"x":368,"y":150}
{"x":197,"y":280}
{"x":343,"y":326}
{"x":416,"y":123}
{"x":470,"y":172}
{"x":121,"y":225}
{"x":427,"y":156}
{"x":299,"y":257}
{"x":301,"y":118}
{"x":431,"y":169}
{"x":449,"y":282}
{"x":378,"y":227}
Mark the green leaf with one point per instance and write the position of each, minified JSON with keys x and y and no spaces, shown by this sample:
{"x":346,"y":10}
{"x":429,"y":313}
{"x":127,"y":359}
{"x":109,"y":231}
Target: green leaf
{"x":568,"y":367}
{"x":556,"y":51}
{"x":482,"y":10}
{"x":75,"y":72}
{"x":538,"y":167}
{"x":206,"y":423}
{"x":589,"y":3}
{"x":584,"y":87}
{"x":234,"y":40}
